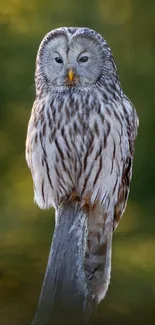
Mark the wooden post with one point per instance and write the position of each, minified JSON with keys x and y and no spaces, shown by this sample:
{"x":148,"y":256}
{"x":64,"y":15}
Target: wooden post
{"x":66,"y":297}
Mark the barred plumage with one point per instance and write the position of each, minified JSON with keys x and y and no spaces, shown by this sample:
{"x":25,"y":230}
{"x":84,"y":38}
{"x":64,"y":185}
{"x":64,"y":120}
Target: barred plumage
{"x":80,"y":141}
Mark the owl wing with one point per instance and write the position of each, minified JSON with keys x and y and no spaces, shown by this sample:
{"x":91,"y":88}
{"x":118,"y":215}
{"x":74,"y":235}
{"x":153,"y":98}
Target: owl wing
{"x":99,"y":243}
{"x":132,"y":122}
{"x":31,"y":135}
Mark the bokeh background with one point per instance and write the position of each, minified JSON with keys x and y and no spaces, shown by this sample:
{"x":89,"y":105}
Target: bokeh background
{"x":25,"y":231}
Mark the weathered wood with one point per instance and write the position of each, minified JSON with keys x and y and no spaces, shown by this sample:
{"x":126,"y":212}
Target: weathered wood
{"x":65,"y":297}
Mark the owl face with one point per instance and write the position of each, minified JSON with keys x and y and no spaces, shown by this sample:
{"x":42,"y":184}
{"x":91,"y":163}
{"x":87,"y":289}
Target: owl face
{"x":72,"y":57}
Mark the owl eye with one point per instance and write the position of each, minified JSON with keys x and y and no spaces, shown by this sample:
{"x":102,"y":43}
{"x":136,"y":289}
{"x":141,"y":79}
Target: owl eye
{"x":83,"y":59}
{"x":58,"y":60}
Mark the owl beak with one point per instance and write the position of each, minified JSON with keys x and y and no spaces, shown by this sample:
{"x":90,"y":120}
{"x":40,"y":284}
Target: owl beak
{"x":71,"y":75}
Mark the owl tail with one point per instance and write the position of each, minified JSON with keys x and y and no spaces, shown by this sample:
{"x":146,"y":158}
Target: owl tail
{"x":98,"y":255}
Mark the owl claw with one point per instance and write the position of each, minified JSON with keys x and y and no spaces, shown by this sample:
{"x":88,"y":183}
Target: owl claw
{"x":74,"y":197}
{"x":87,"y":204}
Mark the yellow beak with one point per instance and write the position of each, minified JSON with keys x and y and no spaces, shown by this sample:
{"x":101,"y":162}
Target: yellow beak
{"x":70,"y":75}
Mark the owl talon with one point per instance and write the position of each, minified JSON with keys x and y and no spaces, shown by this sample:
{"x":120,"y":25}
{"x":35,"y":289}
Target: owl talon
{"x":74,"y":197}
{"x":86,"y":204}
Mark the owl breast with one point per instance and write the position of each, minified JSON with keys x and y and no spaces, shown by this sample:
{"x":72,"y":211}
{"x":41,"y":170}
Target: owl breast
{"x":75,"y":147}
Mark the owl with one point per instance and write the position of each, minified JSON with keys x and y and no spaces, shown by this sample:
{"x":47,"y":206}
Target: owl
{"x":80,"y":142}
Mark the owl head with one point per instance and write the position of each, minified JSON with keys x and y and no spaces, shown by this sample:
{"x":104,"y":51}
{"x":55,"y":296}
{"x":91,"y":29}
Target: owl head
{"x":73,"y":58}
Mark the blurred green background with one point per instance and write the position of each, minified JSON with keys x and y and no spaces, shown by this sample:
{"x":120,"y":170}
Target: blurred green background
{"x":25,"y":231}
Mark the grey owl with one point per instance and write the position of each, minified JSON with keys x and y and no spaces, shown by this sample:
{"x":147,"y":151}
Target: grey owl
{"x":80,"y":140}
